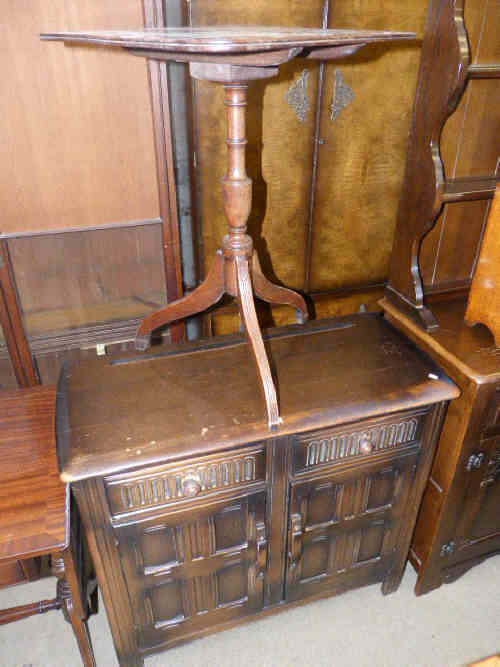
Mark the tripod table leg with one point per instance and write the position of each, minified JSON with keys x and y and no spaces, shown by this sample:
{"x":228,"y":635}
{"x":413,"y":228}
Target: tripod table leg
{"x":205,"y":295}
{"x":268,"y":291}
{"x":252,"y":329}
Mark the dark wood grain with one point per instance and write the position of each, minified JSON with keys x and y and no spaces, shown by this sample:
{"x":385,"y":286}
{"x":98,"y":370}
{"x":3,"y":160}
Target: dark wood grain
{"x":441,"y":81}
{"x":447,"y":162}
{"x":199,"y":518}
{"x":206,"y":416}
{"x":228,"y":39}
{"x":458,"y":524}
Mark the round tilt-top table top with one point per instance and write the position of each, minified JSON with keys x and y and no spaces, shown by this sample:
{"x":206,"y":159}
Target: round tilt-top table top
{"x":229,"y":39}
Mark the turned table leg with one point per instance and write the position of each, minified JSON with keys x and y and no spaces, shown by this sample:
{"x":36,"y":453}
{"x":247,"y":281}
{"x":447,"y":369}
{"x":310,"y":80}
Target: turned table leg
{"x":70,"y":600}
{"x":235,"y":270}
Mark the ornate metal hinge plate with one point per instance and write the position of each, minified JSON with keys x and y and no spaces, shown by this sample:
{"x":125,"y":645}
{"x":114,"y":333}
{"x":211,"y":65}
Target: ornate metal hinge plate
{"x":296,"y":96}
{"x":343,"y":95}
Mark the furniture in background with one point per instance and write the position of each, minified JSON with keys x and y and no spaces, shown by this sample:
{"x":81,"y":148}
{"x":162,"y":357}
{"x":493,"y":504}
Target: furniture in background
{"x":99,"y":257}
{"x":459,"y":522}
{"x":233,"y":57}
{"x":198,"y":517}
{"x":93,"y":242}
{"x":35,"y":516}
{"x":445,"y":69}
{"x":484,"y":298}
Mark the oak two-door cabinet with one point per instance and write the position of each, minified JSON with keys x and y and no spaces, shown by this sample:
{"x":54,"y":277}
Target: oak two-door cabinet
{"x":199,"y":517}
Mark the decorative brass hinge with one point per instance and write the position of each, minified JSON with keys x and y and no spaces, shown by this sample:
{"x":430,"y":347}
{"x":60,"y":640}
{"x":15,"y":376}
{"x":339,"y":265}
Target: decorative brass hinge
{"x":447,"y":549}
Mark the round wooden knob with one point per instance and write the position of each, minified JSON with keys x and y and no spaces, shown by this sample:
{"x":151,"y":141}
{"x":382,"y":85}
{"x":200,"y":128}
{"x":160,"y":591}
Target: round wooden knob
{"x":191,"y":486}
{"x":365,"y":446}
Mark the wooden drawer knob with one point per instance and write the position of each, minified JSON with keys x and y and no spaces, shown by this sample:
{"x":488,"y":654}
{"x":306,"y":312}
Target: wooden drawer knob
{"x":191,"y":486}
{"x":365,"y":446}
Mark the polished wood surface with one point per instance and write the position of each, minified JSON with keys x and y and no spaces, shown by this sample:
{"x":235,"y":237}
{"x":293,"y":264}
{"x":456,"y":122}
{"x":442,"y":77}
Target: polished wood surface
{"x":199,"y":518}
{"x":100,"y":408}
{"x":484,"y":298}
{"x":443,"y":75}
{"x":469,"y":148}
{"x":33,"y":500}
{"x":459,"y":524}
{"x":229,"y":39}
{"x":236,"y":186}
{"x":35,"y":516}
{"x":454,"y":345}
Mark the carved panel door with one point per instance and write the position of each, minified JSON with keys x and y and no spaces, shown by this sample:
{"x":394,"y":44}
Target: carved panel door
{"x":480,"y":519}
{"x":343,"y":526}
{"x":194,"y":568}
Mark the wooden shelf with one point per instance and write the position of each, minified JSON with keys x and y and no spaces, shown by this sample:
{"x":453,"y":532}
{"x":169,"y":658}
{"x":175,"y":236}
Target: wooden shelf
{"x":468,"y":189}
{"x":485,"y":71}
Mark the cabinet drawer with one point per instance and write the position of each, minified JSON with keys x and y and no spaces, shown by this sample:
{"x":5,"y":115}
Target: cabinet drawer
{"x":199,"y":477}
{"x":362,"y":439}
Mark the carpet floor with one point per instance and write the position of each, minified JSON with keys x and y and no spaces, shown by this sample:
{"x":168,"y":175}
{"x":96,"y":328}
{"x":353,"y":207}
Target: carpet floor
{"x":450,"y":627}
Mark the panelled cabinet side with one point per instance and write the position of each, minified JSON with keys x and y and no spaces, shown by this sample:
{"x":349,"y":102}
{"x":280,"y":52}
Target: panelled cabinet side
{"x":94,"y":512}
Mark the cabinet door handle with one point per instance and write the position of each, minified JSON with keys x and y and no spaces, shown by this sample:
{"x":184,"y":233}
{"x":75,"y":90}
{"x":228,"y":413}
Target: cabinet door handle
{"x":296,"y":534}
{"x":261,"y":546}
{"x":191,"y":485}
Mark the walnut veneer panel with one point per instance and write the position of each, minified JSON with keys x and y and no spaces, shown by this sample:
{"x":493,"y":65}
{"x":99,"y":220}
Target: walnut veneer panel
{"x":363,"y":151}
{"x":78,"y":136}
{"x":280,"y":146}
{"x":33,"y":500}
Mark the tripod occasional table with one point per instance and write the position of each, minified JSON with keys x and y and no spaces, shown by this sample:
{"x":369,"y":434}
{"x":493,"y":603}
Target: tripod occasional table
{"x":233,"y":56}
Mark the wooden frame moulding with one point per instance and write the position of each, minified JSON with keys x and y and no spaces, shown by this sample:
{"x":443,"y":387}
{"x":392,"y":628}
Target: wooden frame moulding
{"x":160,"y":105}
{"x":12,"y":324}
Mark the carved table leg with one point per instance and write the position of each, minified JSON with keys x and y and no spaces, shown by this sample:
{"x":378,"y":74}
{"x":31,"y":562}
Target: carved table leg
{"x":205,"y":295}
{"x":249,"y":318}
{"x":268,"y":291}
{"x":70,"y":599}
{"x":26,"y":610}
{"x":231,"y":271}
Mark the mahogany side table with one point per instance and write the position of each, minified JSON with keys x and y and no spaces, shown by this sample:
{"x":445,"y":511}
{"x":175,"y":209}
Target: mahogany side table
{"x":233,"y":56}
{"x":35,"y":517}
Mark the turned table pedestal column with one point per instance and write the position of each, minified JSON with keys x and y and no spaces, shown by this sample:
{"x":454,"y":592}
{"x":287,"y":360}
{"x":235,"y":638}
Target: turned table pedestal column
{"x":233,"y":56}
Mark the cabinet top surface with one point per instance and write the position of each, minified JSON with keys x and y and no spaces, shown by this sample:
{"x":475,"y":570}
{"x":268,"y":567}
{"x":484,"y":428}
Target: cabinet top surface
{"x":122,"y":412}
{"x":33,"y":500}
{"x":454,"y":343}
{"x":228,"y":39}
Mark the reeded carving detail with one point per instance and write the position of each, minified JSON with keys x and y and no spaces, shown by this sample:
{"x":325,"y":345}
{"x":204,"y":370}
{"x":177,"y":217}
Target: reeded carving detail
{"x":171,"y":486}
{"x":344,"y":445}
{"x":296,"y":96}
{"x":343,"y":95}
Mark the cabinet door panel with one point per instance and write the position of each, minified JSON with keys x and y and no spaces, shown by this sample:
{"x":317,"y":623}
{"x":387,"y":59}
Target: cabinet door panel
{"x":481,"y":517}
{"x":200,"y":566}
{"x":343,"y":527}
